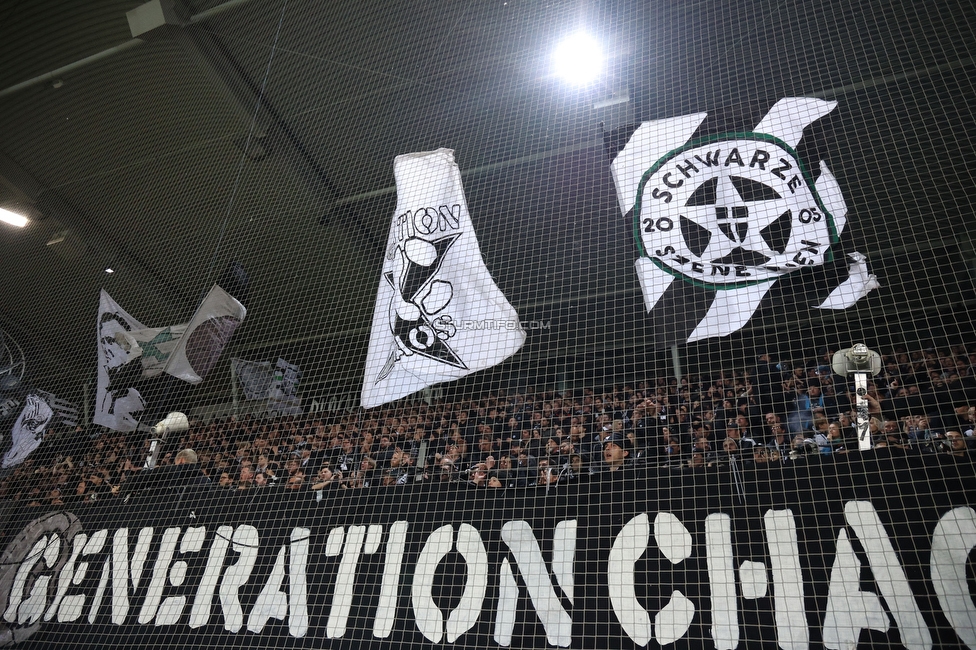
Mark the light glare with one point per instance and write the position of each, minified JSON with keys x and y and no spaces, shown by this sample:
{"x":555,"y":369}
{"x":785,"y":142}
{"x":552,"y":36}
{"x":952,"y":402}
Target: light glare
{"x":578,"y":59}
{"x":14,"y":219}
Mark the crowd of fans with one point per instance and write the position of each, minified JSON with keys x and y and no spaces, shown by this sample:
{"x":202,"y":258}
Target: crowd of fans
{"x":774,"y":412}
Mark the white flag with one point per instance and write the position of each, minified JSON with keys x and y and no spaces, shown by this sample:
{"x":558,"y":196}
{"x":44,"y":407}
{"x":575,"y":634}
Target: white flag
{"x":255,"y":377}
{"x":153,"y":347}
{"x":859,"y":282}
{"x":29,"y":430}
{"x":284,"y":389}
{"x":189,"y":350}
{"x":65,"y":412}
{"x":721,"y":217}
{"x":211,"y":327}
{"x":117,"y":405}
{"x":129,"y":351}
{"x":439,"y":315}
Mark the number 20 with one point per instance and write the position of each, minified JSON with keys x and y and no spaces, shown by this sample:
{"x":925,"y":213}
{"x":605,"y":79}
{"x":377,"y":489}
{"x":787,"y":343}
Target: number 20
{"x":664,"y":223}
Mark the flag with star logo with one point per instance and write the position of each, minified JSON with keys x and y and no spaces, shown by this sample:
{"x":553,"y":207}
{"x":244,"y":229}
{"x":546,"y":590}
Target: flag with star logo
{"x":439,"y":314}
{"x":721,"y":216}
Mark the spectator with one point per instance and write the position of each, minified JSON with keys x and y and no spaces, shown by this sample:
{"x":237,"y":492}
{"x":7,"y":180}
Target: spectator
{"x":743,"y":444}
{"x":616,"y":451}
{"x":295,"y":481}
{"x":485,"y":449}
{"x":324,"y":479}
{"x":807,"y":404}
{"x":449,"y":472}
{"x":504,"y":471}
{"x":384,"y":454}
{"x":401,"y":467}
{"x":478,"y":477}
{"x":674,"y":419}
{"x":697,"y":459}
{"x":779,"y":440}
{"x":730,"y":450}
{"x":547,"y":474}
{"x":956,"y":444}
{"x":760,"y":456}
{"x":245,"y":478}
{"x":524,"y":467}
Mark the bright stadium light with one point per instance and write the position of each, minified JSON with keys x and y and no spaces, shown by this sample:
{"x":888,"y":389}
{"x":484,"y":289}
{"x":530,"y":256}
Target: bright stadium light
{"x":578,"y":59}
{"x":14,"y":219}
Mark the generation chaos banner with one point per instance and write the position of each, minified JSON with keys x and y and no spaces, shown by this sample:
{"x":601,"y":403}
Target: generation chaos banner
{"x":863,"y":551}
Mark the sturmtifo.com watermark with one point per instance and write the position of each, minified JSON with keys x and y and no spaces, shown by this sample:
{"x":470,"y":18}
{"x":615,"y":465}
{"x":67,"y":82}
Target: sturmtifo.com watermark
{"x":502,"y":324}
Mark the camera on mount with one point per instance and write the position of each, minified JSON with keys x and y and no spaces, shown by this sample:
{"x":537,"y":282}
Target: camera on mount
{"x":856,"y":359}
{"x":806,"y":448}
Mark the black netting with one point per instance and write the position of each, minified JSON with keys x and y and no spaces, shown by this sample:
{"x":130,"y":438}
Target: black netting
{"x":514,"y":324}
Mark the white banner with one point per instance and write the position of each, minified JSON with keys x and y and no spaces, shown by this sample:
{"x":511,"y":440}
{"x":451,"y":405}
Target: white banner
{"x":153,"y":347}
{"x":254,"y":376}
{"x":286,"y":379}
{"x":212,"y":325}
{"x":29,"y":430}
{"x":116,"y":406}
{"x":261,"y":380}
{"x":284,"y":389}
{"x":65,"y":412}
{"x":439,"y":315}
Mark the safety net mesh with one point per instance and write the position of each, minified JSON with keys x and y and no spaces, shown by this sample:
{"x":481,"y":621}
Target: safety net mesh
{"x":501,"y":324}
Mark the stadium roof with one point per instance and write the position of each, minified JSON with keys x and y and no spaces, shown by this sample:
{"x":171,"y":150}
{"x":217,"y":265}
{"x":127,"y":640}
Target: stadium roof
{"x":264,"y":131}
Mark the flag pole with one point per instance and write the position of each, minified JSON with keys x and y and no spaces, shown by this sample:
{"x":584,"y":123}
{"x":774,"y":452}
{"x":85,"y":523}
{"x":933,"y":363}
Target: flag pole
{"x":233,"y":388}
{"x":863,"y":421}
{"x":676,"y":361}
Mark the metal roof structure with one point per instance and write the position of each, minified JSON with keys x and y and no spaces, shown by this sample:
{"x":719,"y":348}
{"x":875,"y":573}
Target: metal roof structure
{"x":164,"y":140}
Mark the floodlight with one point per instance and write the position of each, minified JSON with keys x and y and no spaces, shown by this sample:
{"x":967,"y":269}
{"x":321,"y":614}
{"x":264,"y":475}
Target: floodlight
{"x":578,"y":59}
{"x":12,"y":218}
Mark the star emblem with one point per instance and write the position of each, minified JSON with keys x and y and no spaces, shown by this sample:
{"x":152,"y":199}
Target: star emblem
{"x":730,"y":219}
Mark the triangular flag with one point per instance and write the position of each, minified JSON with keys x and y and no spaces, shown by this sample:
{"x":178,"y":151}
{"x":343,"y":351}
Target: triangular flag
{"x":439,"y":315}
